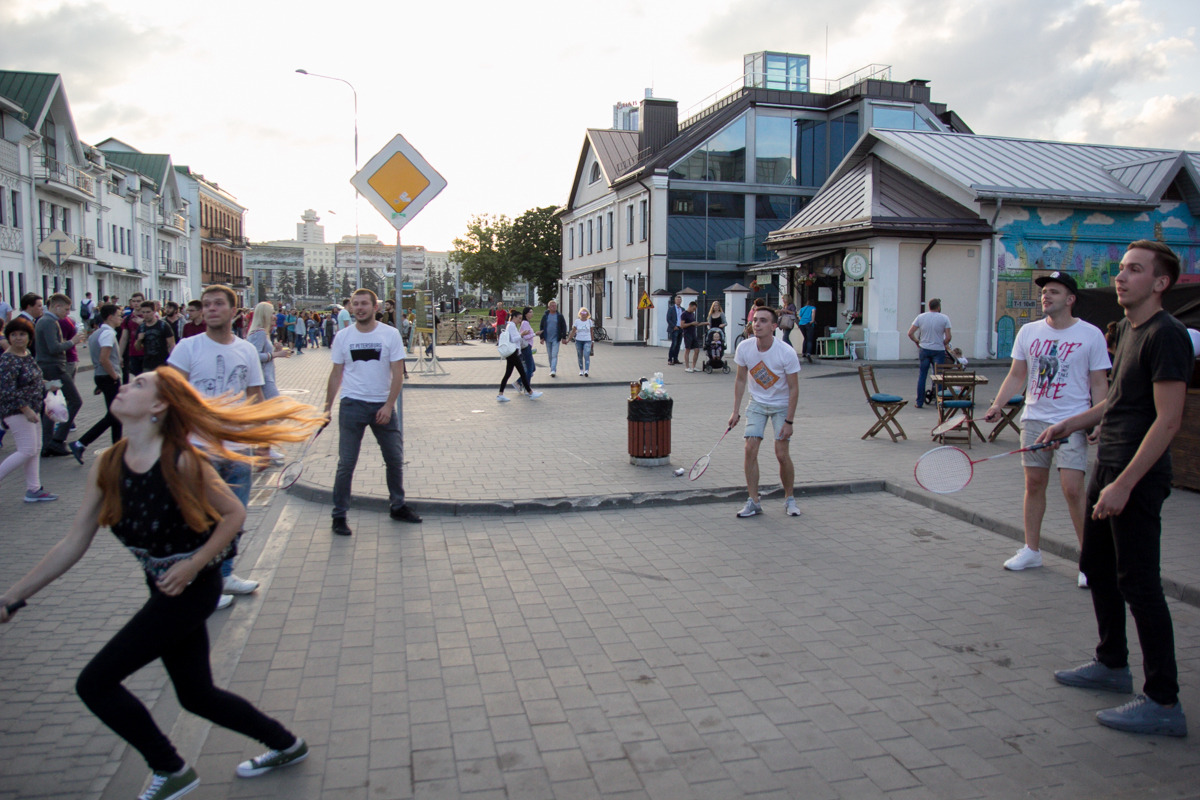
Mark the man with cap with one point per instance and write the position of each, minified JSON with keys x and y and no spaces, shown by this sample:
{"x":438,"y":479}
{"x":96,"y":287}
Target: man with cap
{"x":1060,"y":364}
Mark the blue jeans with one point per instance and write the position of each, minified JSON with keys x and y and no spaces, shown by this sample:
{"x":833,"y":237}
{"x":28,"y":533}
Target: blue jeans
{"x":928,"y":357}
{"x":583,"y":352}
{"x":552,"y":353}
{"x":236,"y":475}
{"x":527,"y":362}
{"x":354,"y":416}
{"x":676,"y":340}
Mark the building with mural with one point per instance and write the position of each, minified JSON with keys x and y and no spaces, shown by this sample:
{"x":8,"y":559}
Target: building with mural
{"x":974,"y":220}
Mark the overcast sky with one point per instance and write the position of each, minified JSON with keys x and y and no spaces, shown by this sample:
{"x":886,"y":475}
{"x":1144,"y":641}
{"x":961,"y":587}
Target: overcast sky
{"x":497,"y":96}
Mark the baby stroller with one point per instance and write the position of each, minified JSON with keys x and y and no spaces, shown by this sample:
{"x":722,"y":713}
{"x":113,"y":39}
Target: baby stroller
{"x":714,"y":346}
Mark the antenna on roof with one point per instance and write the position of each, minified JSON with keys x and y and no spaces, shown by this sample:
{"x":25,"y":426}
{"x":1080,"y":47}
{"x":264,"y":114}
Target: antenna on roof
{"x":826,"y":65}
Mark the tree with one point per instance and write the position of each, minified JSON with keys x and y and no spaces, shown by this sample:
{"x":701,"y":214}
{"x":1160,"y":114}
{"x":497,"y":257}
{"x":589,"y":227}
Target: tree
{"x":480,"y":253}
{"x":285,"y":287}
{"x":347,"y":289}
{"x":370,"y":280}
{"x":323,"y":286}
{"x":534,"y":247}
{"x":262,"y":290}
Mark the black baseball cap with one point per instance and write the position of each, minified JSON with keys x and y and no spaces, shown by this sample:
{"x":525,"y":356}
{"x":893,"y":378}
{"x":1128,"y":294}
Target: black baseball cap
{"x":1059,"y":277}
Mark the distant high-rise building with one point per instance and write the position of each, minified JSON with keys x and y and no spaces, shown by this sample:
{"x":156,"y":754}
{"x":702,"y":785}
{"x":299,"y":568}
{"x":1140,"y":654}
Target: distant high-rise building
{"x":308,"y":231}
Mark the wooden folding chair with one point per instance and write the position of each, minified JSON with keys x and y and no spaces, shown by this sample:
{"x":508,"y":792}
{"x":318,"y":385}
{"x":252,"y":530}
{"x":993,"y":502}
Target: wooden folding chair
{"x":1008,"y":417}
{"x":955,"y":394}
{"x":885,"y":406}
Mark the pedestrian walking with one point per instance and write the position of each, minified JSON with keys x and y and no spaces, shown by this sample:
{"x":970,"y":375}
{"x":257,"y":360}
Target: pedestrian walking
{"x":51,"y":355}
{"x":155,"y":337}
{"x":581,"y":334}
{"x":691,"y":337}
{"x":1060,"y":364}
{"x":21,"y":396}
{"x":167,"y":505}
{"x":771,"y":370}
{"x":1123,"y":530}
{"x":527,"y":335}
{"x":930,"y":332}
{"x":787,"y":319}
{"x":368,"y":371}
{"x":508,"y":341}
{"x":131,"y":351}
{"x":553,"y":331}
{"x":261,"y":325}
{"x":102,"y":345}
{"x":195,"y":319}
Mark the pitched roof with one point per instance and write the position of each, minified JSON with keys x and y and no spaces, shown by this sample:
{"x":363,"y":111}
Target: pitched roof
{"x":151,"y":165}
{"x":31,"y":91}
{"x":614,"y":149}
{"x":994,"y":167}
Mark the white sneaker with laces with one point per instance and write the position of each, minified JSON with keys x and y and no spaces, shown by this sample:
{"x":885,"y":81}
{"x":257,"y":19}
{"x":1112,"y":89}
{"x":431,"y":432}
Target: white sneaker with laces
{"x":235,"y":585}
{"x":790,"y":507}
{"x":751,"y":509}
{"x":501,"y":398}
{"x":225,"y":602}
{"x":1024,"y":559}
{"x":534,"y":395}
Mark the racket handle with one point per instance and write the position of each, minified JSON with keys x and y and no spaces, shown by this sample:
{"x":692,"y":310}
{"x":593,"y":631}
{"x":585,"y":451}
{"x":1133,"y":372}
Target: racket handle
{"x":13,"y":608}
{"x":1042,"y":445}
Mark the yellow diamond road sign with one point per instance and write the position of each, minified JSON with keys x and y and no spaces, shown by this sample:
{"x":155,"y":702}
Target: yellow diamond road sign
{"x":398,"y":182}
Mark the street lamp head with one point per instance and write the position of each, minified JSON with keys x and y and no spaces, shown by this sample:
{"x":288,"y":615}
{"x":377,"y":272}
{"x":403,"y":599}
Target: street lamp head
{"x":302,"y":71}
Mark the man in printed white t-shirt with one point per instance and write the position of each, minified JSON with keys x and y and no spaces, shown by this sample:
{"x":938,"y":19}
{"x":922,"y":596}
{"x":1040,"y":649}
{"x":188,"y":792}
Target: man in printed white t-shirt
{"x":368,"y":369}
{"x":771,"y":369}
{"x":218,"y":363}
{"x":1061,"y":364}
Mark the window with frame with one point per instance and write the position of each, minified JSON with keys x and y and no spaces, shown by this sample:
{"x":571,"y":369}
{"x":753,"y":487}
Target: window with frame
{"x":595,"y":176}
{"x":608,"y":299}
{"x":645,"y":209}
{"x":16,"y":208}
{"x":629,"y":224}
{"x":571,"y":248}
{"x":599,"y":233}
{"x":590,"y":237}
{"x":610,"y":230}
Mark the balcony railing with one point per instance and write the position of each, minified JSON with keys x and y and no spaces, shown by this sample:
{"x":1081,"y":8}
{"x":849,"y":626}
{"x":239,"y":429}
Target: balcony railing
{"x":239,"y":242}
{"x":175,"y":222}
{"x":84,"y":247}
{"x":171,"y":266}
{"x":216,"y":277}
{"x":67,"y":175}
{"x":241,"y":281}
{"x":215,"y":234}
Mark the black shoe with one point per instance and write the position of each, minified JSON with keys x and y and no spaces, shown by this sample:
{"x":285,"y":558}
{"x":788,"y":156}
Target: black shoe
{"x":55,"y":451}
{"x":405,"y":514}
{"x":340,"y":528}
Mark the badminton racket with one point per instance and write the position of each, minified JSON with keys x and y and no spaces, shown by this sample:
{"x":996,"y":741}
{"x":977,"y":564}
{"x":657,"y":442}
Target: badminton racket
{"x":945,"y":470}
{"x":949,"y":425}
{"x":703,"y":461}
{"x":292,"y":471}
{"x":13,"y":608}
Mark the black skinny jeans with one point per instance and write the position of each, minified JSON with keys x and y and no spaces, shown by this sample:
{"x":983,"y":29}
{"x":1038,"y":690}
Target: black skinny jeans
{"x":511,"y":363}
{"x":109,"y":388}
{"x":1121,"y":560}
{"x":173,"y":629}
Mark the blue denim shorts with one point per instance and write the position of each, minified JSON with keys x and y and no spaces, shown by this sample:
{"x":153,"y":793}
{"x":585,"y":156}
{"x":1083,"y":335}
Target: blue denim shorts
{"x":757,"y":415}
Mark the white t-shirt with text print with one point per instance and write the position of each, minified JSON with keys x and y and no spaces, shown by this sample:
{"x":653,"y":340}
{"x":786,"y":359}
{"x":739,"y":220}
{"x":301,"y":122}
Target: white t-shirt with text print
{"x":367,"y":361}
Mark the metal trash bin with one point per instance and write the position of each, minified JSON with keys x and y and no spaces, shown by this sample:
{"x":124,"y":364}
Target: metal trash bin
{"x":649,"y":432}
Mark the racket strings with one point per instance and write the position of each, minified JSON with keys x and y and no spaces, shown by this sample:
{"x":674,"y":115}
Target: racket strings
{"x":699,"y":467}
{"x":944,"y":470}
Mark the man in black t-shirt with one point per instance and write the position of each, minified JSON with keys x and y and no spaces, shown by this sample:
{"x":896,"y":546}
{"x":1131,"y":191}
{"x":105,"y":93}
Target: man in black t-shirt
{"x":1132,"y":478}
{"x":155,"y":337}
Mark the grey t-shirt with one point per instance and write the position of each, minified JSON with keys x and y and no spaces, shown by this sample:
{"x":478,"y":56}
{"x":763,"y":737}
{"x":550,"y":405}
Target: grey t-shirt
{"x":932,"y":327}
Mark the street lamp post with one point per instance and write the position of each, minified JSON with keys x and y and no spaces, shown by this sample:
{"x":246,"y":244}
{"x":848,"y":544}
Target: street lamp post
{"x":357,"y":253}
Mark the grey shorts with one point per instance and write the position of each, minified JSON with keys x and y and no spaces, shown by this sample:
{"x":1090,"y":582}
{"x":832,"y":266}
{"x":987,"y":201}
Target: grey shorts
{"x":1072,"y":455}
{"x":757,"y":415}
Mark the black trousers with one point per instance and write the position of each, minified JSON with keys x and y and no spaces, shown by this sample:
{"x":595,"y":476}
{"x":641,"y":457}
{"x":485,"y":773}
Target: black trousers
{"x":173,"y":629}
{"x":511,"y":363}
{"x":109,"y":388}
{"x":1121,"y":560}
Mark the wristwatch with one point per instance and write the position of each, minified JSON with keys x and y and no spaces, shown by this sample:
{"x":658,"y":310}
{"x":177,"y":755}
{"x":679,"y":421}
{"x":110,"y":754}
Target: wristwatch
{"x":788,"y":422}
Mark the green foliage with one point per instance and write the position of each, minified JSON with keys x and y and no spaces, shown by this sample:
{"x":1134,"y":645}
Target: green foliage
{"x":535,"y":245}
{"x":322,"y":286}
{"x":347,"y":289}
{"x":480,"y":253}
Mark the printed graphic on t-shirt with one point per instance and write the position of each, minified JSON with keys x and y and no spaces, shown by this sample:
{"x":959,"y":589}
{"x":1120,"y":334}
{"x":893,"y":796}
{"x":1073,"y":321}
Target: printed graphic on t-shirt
{"x":366,"y":351}
{"x":221,"y":383}
{"x":1053,"y":366}
{"x":763,"y":376}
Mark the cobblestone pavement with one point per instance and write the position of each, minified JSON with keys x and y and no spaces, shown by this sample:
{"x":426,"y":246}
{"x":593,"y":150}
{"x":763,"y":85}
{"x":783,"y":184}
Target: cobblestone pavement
{"x":654,"y":650}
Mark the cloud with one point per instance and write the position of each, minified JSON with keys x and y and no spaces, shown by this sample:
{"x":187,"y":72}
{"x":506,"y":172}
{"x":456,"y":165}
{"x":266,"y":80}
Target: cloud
{"x":1099,"y":219}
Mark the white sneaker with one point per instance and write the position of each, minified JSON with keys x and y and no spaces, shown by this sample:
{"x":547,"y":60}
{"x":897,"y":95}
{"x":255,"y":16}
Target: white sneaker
{"x":552,"y":375}
{"x":501,"y":398}
{"x":1081,"y":582}
{"x":751,"y":509}
{"x":689,"y":369}
{"x":235,"y":585}
{"x":790,"y":507}
{"x":581,"y":373}
{"x":534,"y":395}
{"x":225,"y":602}
{"x":1024,"y":559}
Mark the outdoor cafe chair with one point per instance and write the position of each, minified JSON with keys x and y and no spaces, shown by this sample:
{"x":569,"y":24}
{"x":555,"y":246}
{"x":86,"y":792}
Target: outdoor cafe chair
{"x":885,"y":406}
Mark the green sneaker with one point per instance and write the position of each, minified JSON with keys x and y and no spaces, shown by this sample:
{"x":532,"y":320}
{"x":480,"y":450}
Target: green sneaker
{"x":273,"y":759}
{"x":168,"y":786}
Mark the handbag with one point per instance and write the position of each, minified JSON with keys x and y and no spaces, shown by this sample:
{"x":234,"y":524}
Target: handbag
{"x":56,"y":407}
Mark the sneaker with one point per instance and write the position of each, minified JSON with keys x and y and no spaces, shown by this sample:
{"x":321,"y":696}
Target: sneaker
{"x":534,"y":395}
{"x":167,"y":785}
{"x":790,"y":507}
{"x":501,"y":398}
{"x":273,"y":759}
{"x":340,"y":528}
{"x":552,"y":375}
{"x":1024,"y":559}
{"x":1094,"y":675}
{"x":581,"y":373}
{"x":225,"y":602}
{"x":40,"y":496}
{"x":236,"y":585}
{"x":1081,"y":582}
{"x":405,"y":514}
{"x":1143,"y":715}
{"x":77,"y":451}
{"x":585,"y":373}
{"x":688,"y":369}
{"x":751,"y":508}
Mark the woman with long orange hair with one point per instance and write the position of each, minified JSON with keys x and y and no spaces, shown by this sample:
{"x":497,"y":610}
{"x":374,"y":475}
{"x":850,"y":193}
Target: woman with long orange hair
{"x":169,"y":507}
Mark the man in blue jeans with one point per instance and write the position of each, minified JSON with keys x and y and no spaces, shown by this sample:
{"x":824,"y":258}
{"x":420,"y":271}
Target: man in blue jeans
{"x":368,"y":370}
{"x":674,"y":316}
{"x":1122,"y":533}
{"x":932,"y":335}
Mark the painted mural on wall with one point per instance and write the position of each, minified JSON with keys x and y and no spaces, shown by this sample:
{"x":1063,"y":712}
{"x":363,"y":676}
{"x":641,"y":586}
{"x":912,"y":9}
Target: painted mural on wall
{"x":1084,"y":242}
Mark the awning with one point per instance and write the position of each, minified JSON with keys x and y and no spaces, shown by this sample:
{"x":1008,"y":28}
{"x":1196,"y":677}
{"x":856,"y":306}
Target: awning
{"x":792,"y":260}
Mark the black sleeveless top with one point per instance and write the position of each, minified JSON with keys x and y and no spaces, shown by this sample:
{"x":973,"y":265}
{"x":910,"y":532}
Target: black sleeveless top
{"x":151,"y":525}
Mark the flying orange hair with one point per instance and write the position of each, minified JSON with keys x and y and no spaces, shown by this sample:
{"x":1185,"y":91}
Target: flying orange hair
{"x":214,"y":421}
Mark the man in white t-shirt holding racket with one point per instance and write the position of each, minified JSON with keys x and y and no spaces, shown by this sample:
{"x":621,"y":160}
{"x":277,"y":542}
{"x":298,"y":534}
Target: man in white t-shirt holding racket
{"x":771,"y":369}
{"x":1061,"y":363}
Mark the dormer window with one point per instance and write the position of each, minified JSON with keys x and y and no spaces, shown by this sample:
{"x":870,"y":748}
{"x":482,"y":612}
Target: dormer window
{"x":595,"y":173}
